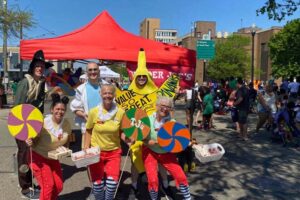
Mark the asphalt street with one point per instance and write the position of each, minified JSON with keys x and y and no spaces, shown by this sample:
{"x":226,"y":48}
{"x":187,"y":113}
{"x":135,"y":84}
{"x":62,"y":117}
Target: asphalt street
{"x":253,"y":169}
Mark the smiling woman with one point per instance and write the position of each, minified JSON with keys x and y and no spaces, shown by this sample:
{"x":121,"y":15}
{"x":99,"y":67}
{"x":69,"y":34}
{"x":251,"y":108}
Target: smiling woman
{"x":53,"y":137}
{"x":103,"y":130}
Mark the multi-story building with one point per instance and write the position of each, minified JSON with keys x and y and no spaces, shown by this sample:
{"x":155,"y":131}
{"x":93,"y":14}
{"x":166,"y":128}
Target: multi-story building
{"x":262,"y":61}
{"x":150,"y":29}
{"x":202,"y":30}
{"x":165,"y":35}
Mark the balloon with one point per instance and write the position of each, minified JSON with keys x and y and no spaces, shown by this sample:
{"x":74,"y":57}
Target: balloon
{"x":25,"y":121}
{"x":173,"y":137}
{"x":136,"y":124}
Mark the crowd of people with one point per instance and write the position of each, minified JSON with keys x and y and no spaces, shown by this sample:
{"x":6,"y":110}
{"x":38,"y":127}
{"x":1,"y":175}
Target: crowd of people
{"x":99,"y":119}
{"x":277,"y":106}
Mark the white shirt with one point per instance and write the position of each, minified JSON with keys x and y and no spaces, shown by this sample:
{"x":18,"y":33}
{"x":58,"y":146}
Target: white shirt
{"x":189,"y":94}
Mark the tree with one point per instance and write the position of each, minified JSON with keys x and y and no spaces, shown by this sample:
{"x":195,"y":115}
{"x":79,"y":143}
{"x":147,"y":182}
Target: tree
{"x":120,"y":69}
{"x":231,"y":58}
{"x":12,"y":24}
{"x":22,"y":20}
{"x":284,"y":51}
{"x":279,"y":9}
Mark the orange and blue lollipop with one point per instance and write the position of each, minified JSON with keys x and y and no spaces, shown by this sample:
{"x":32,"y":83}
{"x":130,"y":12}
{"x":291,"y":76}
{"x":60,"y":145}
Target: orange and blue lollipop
{"x":173,"y":137}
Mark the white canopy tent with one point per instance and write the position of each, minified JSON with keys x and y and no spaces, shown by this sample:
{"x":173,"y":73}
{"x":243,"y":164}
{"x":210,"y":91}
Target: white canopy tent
{"x":105,"y":72}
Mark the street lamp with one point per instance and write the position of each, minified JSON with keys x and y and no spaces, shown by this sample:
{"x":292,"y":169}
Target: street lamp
{"x":253,"y":31}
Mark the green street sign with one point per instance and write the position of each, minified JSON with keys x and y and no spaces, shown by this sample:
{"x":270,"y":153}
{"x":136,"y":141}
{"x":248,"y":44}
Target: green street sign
{"x":205,"y":49}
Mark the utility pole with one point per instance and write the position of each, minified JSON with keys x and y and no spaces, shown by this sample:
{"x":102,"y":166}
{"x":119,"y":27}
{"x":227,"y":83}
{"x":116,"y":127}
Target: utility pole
{"x":21,"y":60}
{"x":4,"y":56}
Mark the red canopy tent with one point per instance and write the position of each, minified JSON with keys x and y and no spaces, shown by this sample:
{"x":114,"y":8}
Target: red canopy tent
{"x":104,"y":39}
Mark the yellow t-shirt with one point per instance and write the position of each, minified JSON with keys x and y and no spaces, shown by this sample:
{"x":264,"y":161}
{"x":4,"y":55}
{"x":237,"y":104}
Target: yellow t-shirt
{"x":106,"y":134}
{"x":46,"y":141}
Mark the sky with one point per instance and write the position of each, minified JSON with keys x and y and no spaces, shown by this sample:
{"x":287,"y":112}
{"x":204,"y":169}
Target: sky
{"x":58,"y":17}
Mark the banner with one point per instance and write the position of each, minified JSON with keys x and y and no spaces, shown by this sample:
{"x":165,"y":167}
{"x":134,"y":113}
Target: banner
{"x":128,"y":99}
{"x":162,"y":72}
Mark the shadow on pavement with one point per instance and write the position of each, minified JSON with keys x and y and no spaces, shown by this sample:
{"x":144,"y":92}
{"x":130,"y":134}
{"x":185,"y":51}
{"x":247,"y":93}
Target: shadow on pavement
{"x":76,"y":195}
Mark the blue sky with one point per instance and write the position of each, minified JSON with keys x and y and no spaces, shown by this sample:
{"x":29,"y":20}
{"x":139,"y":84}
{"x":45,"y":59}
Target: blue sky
{"x":57,"y":17}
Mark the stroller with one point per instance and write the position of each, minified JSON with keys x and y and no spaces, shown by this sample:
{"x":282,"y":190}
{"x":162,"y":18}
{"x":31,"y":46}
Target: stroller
{"x":284,"y":125}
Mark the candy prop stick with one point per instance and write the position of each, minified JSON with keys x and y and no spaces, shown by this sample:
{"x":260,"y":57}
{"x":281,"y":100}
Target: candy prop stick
{"x":122,"y":172}
{"x":173,"y":137}
{"x":136,"y":124}
{"x":24,"y":122}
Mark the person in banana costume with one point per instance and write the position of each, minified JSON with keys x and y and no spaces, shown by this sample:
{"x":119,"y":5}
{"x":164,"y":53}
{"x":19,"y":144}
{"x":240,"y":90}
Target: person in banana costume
{"x":142,"y":93}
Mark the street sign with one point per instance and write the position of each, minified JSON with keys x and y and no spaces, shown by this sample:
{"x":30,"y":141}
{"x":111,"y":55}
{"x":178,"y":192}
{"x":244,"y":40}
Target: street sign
{"x":205,"y":49}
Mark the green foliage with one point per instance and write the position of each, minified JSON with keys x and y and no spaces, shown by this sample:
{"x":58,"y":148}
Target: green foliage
{"x":279,"y":9}
{"x":15,"y":20}
{"x":284,"y":51}
{"x":231,"y":58}
{"x":120,"y":69}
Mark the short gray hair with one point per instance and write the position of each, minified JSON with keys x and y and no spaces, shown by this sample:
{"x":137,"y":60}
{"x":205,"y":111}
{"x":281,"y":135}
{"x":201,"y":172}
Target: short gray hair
{"x":165,"y":98}
{"x":108,"y":85}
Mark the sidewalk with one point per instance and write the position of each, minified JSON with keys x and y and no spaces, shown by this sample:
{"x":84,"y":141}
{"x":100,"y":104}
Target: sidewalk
{"x":256,"y":169}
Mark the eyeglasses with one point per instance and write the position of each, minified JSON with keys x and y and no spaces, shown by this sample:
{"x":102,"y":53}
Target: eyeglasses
{"x":93,"y":69}
{"x":165,"y":107}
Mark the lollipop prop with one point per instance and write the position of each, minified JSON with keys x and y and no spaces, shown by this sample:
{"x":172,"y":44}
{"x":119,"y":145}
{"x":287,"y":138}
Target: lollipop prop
{"x":173,"y":137}
{"x":136,"y":124}
{"x":25,"y":121}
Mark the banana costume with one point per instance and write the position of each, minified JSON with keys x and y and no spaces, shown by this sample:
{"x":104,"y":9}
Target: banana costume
{"x":150,"y":86}
{"x":145,"y":99}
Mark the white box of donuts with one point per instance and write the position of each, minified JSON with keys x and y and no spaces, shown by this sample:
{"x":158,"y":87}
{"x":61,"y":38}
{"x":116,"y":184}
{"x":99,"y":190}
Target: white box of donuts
{"x":59,"y":153}
{"x":86,"y":157}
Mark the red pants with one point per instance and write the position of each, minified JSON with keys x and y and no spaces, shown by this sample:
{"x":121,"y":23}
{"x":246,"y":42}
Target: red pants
{"x":168,"y":161}
{"x":48,"y":174}
{"x":110,"y":162}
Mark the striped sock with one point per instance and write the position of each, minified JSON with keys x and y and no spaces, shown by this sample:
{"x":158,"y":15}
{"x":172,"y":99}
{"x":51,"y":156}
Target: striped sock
{"x":184,"y":189}
{"x":153,"y":194}
{"x":98,"y":190}
{"x":111,"y":187}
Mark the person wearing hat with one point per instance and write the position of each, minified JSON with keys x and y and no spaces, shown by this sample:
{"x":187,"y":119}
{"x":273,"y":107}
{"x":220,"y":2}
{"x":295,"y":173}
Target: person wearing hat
{"x":30,"y":90}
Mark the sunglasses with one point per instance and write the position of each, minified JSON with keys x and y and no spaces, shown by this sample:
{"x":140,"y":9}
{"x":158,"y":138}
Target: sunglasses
{"x":93,"y":69}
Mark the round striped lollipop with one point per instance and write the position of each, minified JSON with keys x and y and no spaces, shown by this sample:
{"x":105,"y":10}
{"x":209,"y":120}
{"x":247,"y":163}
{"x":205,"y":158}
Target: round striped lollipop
{"x":173,"y":137}
{"x":24,"y":121}
{"x":136,"y":124}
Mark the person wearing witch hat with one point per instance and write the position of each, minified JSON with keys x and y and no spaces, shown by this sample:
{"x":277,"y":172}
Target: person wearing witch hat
{"x":31,"y":90}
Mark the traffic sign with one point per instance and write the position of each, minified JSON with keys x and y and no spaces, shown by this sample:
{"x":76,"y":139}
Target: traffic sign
{"x":205,"y":49}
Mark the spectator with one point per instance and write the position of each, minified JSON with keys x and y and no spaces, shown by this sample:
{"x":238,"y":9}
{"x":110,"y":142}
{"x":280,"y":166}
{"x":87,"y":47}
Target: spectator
{"x":208,"y":109}
{"x":252,"y":97}
{"x":242,"y":105}
{"x":266,"y":107}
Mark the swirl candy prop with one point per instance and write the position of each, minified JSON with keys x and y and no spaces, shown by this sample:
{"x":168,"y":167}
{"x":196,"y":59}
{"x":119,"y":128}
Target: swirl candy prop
{"x":24,"y":121}
{"x":173,"y":137}
{"x":136,"y":124}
